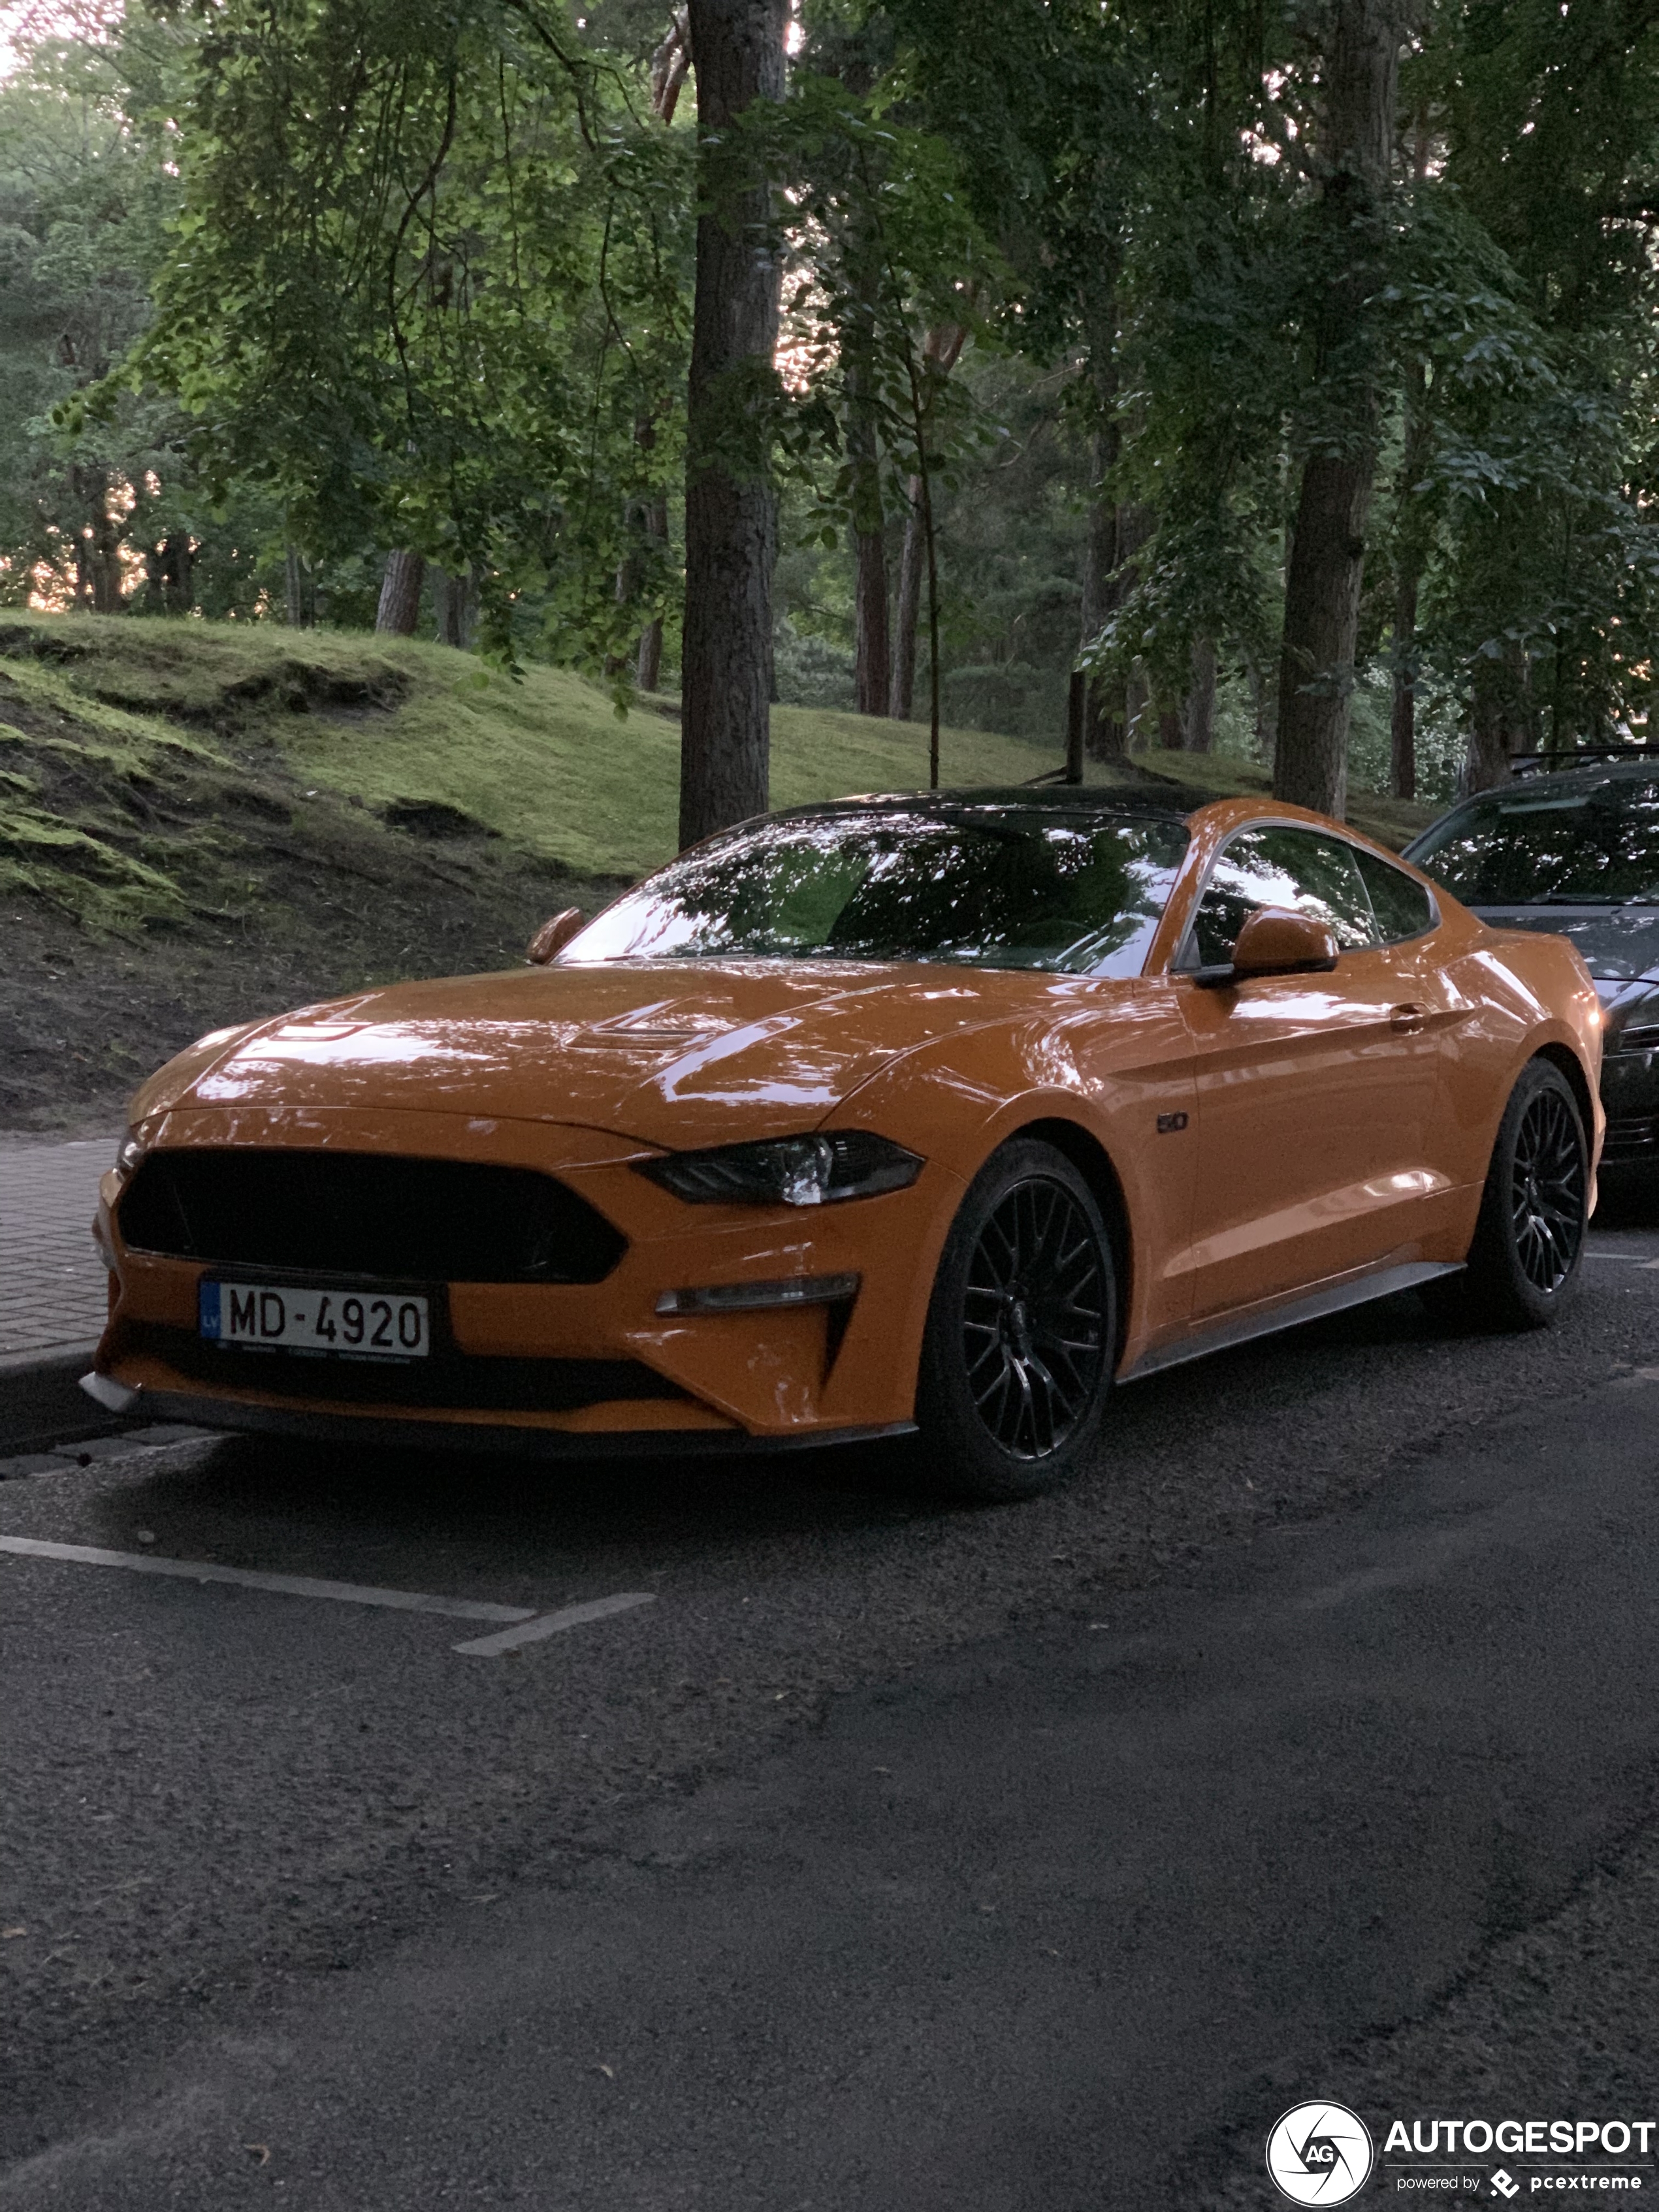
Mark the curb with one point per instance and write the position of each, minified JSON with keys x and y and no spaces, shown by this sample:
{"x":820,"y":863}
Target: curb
{"x":41,"y":1399}
{"x":46,"y":1358}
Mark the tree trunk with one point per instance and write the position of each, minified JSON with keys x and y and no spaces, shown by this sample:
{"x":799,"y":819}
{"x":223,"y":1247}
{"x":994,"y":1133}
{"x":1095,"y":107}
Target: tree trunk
{"x":902,"y":688}
{"x":1077,"y":719}
{"x":100,"y":574}
{"x":648,"y":670}
{"x":300,"y":590}
{"x":873,"y":656}
{"x":1402,"y":721}
{"x":1116,"y":535}
{"x":1503,"y":717}
{"x":940,"y":353}
{"x":874,"y":659}
{"x":400,"y":594}
{"x":1327,"y":549}
{"x":171,"y":568}
{"x":1408,"y":544}
{"x":669,"y":66}
{"x":1100,"y":559}
{"x":1487,"y":761}
{"x":647,"y":522}
{"x":1198,"y":721}
{"x":454,"y":608}
{"x":731,"y":513}
{"x":1408,"y":568}
{"x":1104,"y":548}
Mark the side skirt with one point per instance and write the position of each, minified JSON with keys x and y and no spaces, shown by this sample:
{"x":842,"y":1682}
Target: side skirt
{"x":1312,"y":1305}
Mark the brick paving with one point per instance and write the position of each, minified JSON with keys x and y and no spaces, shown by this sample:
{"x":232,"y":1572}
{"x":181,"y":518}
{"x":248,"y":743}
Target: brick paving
{"x":51,"y":1280}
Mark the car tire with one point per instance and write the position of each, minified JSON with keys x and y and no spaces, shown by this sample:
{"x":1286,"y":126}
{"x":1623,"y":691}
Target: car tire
{"x":1524,"y":1263}
{"x":1022,"y":1330}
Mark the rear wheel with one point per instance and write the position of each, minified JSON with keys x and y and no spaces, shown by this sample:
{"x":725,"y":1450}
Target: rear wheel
{"x":1524,"y":1265}
{"x":1016,"y":1358}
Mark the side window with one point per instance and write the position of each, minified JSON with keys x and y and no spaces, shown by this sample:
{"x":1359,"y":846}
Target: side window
{"x":1278,"y":866}
{"x":1403,"y":908}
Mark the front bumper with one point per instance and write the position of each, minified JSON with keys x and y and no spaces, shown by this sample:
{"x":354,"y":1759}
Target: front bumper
{"x":1629,"y":1095}
{"x":555,"y":1366}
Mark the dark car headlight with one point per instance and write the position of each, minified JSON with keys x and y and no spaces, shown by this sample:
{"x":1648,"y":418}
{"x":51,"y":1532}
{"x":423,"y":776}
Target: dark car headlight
{"x":1630,"y":1018}
{"x":816,"y":1170}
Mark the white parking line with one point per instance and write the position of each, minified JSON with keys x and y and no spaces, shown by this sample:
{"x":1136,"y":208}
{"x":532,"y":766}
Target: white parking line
{"x":550,"y":1624}
{"x":197,"y":1571}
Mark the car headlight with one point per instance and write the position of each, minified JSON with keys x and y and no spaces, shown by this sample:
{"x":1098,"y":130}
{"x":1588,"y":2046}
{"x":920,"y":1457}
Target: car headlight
{"x":131,"y":1151}
{"x":787,"y":1170}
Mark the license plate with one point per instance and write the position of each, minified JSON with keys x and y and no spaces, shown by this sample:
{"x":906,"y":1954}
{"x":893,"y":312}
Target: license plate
{"x":353,"y":1324}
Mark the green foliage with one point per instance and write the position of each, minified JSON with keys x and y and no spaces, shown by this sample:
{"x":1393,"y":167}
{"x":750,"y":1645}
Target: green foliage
{"x":336,"y":276}
{"x":425,"y":286}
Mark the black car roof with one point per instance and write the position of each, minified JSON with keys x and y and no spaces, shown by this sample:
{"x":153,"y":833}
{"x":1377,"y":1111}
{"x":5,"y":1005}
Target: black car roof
{"x":1059,"y":799}
{"x":1593,"y":775}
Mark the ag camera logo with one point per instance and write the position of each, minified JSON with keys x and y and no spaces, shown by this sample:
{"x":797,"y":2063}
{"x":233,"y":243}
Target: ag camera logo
{"x":1320,"y":2154}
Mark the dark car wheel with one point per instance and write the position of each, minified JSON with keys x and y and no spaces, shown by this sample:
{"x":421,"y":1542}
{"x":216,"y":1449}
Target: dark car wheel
{"x":1524,"y":1265}
{"x":1017,"y":1359}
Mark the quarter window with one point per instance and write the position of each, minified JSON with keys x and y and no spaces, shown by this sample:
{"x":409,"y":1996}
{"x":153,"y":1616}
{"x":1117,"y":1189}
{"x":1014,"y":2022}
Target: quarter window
{"x":1403,"y":908}
{"x":1279,"y":866}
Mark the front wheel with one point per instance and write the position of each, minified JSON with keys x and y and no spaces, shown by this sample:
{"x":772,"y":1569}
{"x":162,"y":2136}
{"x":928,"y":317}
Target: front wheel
{"x":1016,"y":1358}
{"x":1524,"y":1265}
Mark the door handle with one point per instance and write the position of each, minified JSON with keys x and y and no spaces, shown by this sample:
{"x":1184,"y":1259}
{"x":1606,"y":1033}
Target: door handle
{"x":1409,"y":1020}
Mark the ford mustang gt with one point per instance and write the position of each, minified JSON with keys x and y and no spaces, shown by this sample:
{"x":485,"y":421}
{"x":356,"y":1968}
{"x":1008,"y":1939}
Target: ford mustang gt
{"x":943,"y":1113}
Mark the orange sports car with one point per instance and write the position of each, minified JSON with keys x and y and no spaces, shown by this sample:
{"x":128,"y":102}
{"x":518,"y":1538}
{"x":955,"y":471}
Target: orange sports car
{"x":937,"y":1112}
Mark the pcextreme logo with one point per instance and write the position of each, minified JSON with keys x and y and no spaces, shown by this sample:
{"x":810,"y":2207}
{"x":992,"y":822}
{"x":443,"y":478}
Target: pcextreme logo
{"x":1320,"y":2154}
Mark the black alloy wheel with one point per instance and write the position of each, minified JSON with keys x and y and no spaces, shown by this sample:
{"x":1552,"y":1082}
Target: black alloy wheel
{"x":1021,"y":1330}
{"x":1524,"y":1263}
{"x":1548,"y":1181}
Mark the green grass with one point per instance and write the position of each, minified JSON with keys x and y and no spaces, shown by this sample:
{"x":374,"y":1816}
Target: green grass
{"x":547,"y":761}
{"x":544,"y":759}
{"x":97,"y":713}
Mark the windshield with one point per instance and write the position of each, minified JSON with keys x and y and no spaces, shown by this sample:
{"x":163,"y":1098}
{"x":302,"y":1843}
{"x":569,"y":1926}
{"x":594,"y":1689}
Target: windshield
{"x":1000,"y":887}
{"x":1533,"y":846}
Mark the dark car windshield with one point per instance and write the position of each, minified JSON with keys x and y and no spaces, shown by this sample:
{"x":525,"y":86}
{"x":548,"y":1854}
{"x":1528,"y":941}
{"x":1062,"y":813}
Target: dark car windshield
{"x":1003,"y":887}
{"x":1544,"y":844}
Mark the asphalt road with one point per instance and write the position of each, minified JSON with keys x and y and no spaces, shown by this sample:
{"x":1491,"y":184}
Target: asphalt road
{"x":890,"y":1858}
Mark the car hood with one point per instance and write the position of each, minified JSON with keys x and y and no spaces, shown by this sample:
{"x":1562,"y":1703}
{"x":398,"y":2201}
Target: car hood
{"x":1618,"y":945}
{"x":674,"y":1054}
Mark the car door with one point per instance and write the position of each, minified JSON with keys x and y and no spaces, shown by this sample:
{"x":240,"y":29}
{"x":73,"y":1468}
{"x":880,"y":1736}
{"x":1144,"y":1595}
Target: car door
{"x":1315,"y":1093}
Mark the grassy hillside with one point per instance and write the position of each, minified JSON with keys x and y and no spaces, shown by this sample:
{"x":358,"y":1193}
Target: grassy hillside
{"x":204,"y":823}
{"x":96,"y":713}
{"x":107,"y":709}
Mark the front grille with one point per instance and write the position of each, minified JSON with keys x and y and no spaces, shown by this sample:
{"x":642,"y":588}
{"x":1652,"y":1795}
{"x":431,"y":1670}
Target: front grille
{"x":460,"y":1380}
{"x":1634,"y":1138}
{"x":366,"y":1214}
{"x":1620,"y":1041}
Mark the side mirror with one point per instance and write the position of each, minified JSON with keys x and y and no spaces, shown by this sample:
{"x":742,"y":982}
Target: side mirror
{"x":553,"y":936}
{"x":1276,"y":941}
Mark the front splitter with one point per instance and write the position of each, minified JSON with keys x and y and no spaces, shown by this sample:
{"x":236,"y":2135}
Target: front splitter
{"x":377,"y":1431}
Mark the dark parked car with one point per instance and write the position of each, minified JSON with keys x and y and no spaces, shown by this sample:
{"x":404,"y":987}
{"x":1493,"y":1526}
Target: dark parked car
{"x":1576,"y":851}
